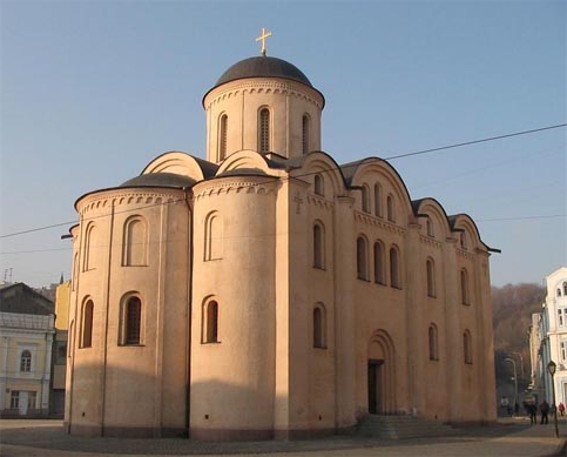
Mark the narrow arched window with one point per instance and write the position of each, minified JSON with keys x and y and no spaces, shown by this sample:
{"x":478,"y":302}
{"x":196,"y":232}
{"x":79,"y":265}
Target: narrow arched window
{"x":319,"y":327}
{"x":433,"y":343}
{"x":25,"y":361}
{"x":131,"y":321}
{"x":464,"y":240}
{"x":88,"y":259}
{"x":319,"y":185}
{"x":465,"y":297}
{"x":213,"y":237}
{"x":87,"y":324}
{"x":430,"y":267}
{"x":430,"y":230}
{"x":467,"y":347}
{"x":559,"y":292}
{"x":361,"y":258}
{"x":365,"y":199}
{"x":135,"y":242}
{"x":565,"y":288}
{"x":211,"y":332}
{"x":318,"y":246}
{"x":377,"y":200}
{"x":264,"y":131}
{"x":379,"y":270}
{"x":306,"y":127}
{"x":390,"y":208}
{"x":395,"y":280}
{"x":223,"y":137}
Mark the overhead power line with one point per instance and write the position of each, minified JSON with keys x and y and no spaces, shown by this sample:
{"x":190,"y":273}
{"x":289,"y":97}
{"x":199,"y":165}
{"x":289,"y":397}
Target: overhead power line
{"x":409,"y":154}
{"x":468,"y":143}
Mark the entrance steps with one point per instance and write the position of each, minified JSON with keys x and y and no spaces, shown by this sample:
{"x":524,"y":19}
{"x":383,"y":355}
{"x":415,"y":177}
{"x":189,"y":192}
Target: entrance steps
{"x":400,"y":427}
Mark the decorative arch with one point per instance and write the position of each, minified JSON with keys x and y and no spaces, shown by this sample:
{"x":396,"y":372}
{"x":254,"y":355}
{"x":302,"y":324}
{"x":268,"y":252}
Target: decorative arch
{"x":379,"y":263}
{"x":362,"y":257}
{"x":319,"y":185}
{"x":90,"y":241}
{"x":381,"y":373}
{"x":395,"y":268}
{"x":374,"y":169}
{"x":248,"y":159}
{"x":213,"y":248}
{"x":433,"y":342}
{"x":319,"y":326}
{"x":320,"y":163}
{"x":135,"y":242}
{"x":180,"y":163}
{"x":430,"y":277}
{"x":306,"y":133}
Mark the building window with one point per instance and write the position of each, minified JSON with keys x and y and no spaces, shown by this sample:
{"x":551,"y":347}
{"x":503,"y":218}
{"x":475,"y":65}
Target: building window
{"x":15,"y":399}
{"x":377,"y":200}
{"x":319,"y":327}
{"x":559,"y":292}
{"x":318,"y":246}
{"x":213,"y":237}
{"x":560,"y":317}
{"x":306,"y":132}
{"x":223,"y":136}
{"x":467,"y":347}
{"x":131,"y":321}
{"x":32,"y":396}
{"x":465,"y":298}
{"x":563,"y":351}
{"x":361,"y":258}
{"x":25,"y":361}
{"x":88,"y":261}
{"x":430,"y":267}
{"x":379,"y":270}
{"x":87,"y":327}
{"x":319,"y":185}
{"x":390,"y":208}
{"x":211,"y":324}
{"x":264,"y":131}
{"x":565,"y":288}
{"x":433,"y":343}
{"x":395,"y":279}
{"x":365,"y":199}
{"x":135,"y":242}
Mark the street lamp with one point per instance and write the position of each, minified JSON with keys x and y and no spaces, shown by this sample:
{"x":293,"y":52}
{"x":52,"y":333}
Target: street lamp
{"x":551,"y":367}
{"x":513,"y":362}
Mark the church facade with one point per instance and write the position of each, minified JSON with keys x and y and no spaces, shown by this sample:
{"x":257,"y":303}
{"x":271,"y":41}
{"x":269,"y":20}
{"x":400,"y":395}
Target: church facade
{"x":268,"y":292}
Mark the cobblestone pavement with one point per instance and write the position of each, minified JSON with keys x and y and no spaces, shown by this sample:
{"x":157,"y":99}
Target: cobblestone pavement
{"x":512,"y":437}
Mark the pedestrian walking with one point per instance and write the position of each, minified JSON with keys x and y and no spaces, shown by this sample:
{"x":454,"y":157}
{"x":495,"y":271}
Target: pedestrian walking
{"x":544,"y":410}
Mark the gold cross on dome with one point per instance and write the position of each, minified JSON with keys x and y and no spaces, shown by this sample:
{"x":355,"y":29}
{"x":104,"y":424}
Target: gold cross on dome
{"x":262,"y":38}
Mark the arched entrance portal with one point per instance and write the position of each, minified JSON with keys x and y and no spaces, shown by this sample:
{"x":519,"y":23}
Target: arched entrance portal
{"x":381,"y":374}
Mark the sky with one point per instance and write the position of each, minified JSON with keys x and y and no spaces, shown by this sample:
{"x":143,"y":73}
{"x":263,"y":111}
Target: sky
{"x":92,"y":91}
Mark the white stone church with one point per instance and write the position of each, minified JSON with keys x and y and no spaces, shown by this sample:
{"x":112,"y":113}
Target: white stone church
{"x":268,"y":292}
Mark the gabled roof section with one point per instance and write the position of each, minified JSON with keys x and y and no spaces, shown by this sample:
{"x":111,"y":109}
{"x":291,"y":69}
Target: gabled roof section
{"x":19,"y":298}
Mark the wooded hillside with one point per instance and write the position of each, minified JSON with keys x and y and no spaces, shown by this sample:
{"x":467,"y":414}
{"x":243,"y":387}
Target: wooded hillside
{"x":513,"y":305}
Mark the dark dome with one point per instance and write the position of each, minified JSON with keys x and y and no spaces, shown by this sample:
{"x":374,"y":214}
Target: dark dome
{"x":262,"y":67}
{"x":159,"y":180}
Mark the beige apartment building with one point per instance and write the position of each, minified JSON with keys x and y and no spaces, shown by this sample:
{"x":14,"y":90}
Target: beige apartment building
{"x":268,"y":292}
{"x":26,"y":340}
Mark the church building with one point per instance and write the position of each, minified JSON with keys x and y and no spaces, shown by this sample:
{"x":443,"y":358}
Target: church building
{"x":268,"y":292}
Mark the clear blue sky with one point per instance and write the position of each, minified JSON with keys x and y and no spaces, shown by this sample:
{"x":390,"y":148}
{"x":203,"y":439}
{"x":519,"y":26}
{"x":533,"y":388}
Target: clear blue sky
{"x":92,"y":91}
